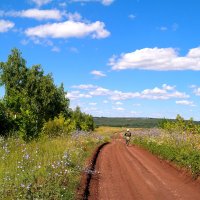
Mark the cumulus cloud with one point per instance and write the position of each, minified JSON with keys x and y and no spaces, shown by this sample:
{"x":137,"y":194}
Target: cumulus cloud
{"x":119,"y":108}
{"x":84,"y":87}
{"x":74,"y":16}
{"x":107,"y":2}
{"x":100,"y":91}
{"x":158,"y":59}
{"x":104,"y":2}
{"x":196,"y":91}
{"x":164,"y":93}
{"x":6,"y":25}
{"x":77,"y":95}
{"x":69,"y":29}
{"x":119,"y":103}
{"x":98,"y":73}
{"x":168,"y":87}
{"x":185,"y":102}
{"x":36,"y":14}
{"x":41,"y":2}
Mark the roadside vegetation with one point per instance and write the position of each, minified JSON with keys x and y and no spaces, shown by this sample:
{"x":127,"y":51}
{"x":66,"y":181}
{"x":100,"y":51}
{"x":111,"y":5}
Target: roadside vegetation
{"x":44,"y":144}
{"x":177,"y":141}
{"x":33,"y":104}
{"x":49,"y":168}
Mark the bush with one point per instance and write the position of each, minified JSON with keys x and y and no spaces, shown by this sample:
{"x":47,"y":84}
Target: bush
{"x":58,"y":126}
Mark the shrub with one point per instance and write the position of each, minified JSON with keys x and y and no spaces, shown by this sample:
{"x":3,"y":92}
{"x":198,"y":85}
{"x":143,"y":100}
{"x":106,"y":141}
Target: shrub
{"x":58,"y":126}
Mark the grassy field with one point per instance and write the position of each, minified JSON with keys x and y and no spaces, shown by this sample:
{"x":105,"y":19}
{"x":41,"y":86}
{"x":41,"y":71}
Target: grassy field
{"x":181,"y":149}
{"x":52,"y":168}
{"x":47,"y":168}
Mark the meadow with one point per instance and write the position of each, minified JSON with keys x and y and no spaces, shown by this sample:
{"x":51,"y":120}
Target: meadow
{"x":51,"y":167}
{"x":181,"y":149}
{"x":47,"y":168}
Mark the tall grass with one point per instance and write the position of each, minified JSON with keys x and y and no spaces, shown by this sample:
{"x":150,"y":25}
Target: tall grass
{"x":182,"y":149}
{"x":47,"y":168}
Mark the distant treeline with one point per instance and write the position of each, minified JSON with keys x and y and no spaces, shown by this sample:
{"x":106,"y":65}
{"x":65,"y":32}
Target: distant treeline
{"x":131,"y":122}
{"x":127,"y":122}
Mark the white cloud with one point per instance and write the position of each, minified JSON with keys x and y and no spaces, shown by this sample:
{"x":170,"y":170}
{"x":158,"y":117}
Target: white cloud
{"x":185,"y":102}
{"x":135,"y":112}
{"x":74,"y":16}
{"x":192,"y":86}
{"x":154,"y":91}
{"x":69,"y":29}
{"x":41,"y":2}
{"x":197,"y":91}
{"x":93,"y":104}
{"x":163,"y":28}
{"x":131,"y":16}
{"x":119,"y":103}
{"x":175,"y":26}
{"x":41,"y":14}
{"x":136,"y":104}
{"x":36,"y":14}
{"x":98,"y":73}
{"x":24,"y":42}
{"x":55,"y":49}
{"x":99,"y":91}
{"x":63,"y":4}
{"x":84,"y":87}
{"x":158,"y":59}
{"x":77,"y":95}
{"x":119,"y":109}
{"x":73,"y":49}
{"x":168,"y":87}
{"x":6,"y":25}
{"x":107,"y":2}
{"x":104,"y":2}
{"x":105,"y":101}
{"x":44,"y":42}
{"x":164,"y":93}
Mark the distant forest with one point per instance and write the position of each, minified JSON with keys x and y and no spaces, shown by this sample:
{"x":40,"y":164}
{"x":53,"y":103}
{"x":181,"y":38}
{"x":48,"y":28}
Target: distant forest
{"x":130,"y":122}
{"x":127,"y":122}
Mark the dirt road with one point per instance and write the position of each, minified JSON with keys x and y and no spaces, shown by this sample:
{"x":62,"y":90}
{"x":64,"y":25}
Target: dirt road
{"x":132,"y":173}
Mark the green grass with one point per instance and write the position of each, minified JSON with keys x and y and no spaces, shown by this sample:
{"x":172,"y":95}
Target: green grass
{"x":47,"y":168}
{"x":181,"y":149}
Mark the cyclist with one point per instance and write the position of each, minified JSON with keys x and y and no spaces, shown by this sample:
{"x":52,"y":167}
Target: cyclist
{"x":127,"y":136}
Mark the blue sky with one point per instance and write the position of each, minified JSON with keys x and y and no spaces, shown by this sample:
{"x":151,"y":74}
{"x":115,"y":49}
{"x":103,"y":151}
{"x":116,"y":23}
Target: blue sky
{"x":119,"y":58}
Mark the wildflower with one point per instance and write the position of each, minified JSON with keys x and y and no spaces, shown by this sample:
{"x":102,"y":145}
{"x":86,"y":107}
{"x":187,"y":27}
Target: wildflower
{"x":27,"y":156}
{"x":66,"y":155}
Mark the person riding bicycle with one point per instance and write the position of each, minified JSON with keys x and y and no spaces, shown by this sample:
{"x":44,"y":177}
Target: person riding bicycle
{"x":127,"y":136}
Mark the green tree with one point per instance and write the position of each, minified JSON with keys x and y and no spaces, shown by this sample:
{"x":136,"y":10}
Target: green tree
{"x":82,"y":121}
{"x":30,"y":95}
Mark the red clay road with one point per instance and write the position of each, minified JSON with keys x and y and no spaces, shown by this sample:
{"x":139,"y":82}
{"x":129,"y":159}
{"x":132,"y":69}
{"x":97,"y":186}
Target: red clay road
{"x":131,"y":173}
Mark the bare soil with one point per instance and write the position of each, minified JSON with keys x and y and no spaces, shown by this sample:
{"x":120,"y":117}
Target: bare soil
{"x":129,"y":172}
